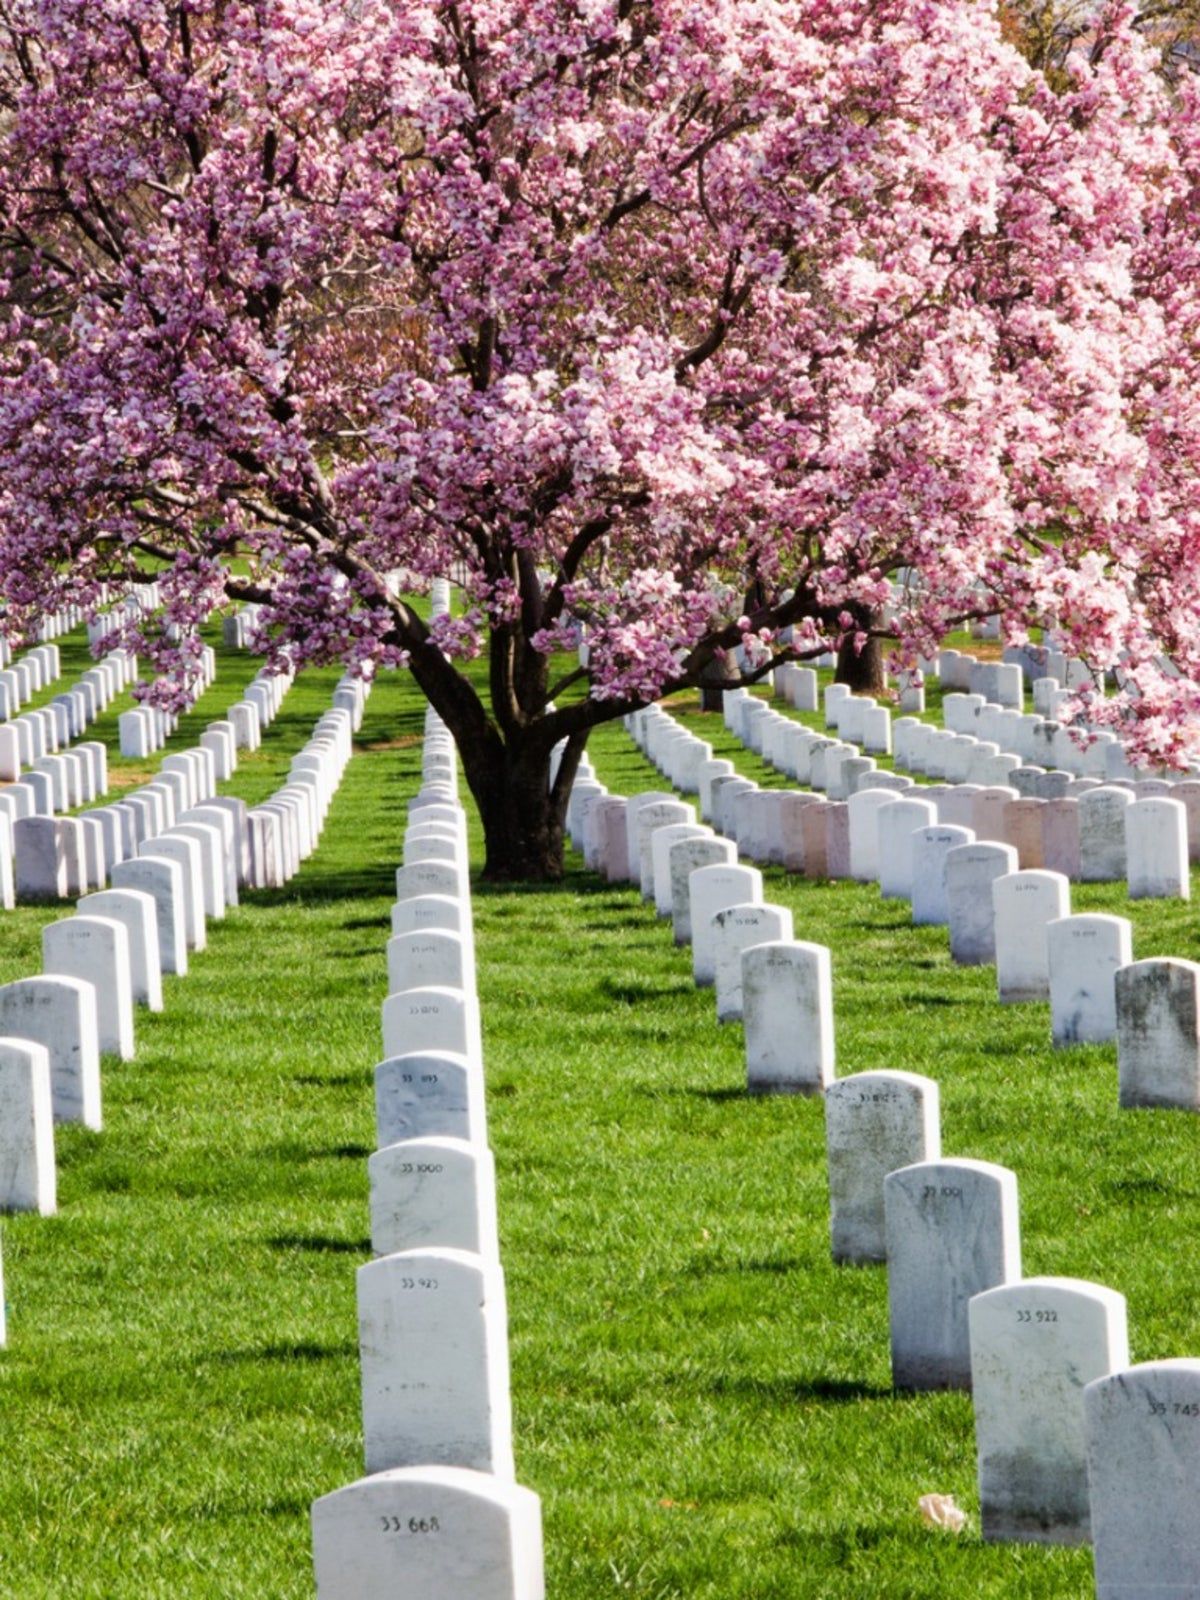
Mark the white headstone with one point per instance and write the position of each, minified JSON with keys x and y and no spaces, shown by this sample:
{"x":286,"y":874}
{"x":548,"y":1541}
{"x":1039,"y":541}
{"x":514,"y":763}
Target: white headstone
{"x":432,"y":1018}
{"x":431,"y":877}
{"x":27,"y":1174}
{"x":1085,"y":953}
{"x":930,"y":850}
{"x":163,"y":881}
{"x":1143,"y":1444}
{"x":952,"y":1231}
{"x":60,"y":1015}
{"x":433,"y":1533}
{"x":875,"y":1122}
{"x":661,"y":844}
{"x":96,"y":949}
{"x":429,"y":1094}
{"x":1024,"y":904}
{"x":433,"y":1344}
{"x":432,"y":956}
{"x":713,"y":889}
{"x":436,"y":1193}
{"x":1156,"y":847}
{"x":421,"y":912}
{"x":898,"y":821}
{"x":787,"y":1006}
{"x":185,"y":854}
{"x":136,"y":910}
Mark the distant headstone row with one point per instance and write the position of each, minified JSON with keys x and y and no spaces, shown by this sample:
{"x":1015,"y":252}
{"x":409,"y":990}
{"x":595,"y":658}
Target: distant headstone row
{"x":27,"y":675}
{"x":439,"y":1514}
{"x":31,"y":742}
{"x":173,"y":855}
{"x":940,"y":847}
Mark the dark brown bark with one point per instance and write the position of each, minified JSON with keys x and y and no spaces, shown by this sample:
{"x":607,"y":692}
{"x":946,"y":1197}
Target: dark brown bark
{"x":523,"y":817}
{"x":862,"y":669}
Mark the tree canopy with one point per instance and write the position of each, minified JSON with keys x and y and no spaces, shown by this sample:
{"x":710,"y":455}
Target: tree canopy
{"x":690,"y":321}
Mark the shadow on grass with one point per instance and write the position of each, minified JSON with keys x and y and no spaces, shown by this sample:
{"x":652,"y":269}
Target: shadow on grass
{"x":320,"y":1244}
{"x":337,"y":1152}
{"x":783,"y":1390}
{"x":631,"y":992}
{"x":702,"y":1267}
{"x":287,"y":1352}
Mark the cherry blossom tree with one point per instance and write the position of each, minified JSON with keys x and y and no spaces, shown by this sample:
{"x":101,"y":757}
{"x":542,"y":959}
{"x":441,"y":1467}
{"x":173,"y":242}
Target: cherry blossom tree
{"x":690,"y":323}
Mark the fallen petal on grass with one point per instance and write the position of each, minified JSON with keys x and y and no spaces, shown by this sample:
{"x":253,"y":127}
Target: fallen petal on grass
{"x":940,"y":1511}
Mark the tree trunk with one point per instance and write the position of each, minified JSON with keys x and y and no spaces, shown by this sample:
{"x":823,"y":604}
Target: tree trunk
{"x":523,"y":818}
{"x":862,"y":669}
{"x":713,"y":680}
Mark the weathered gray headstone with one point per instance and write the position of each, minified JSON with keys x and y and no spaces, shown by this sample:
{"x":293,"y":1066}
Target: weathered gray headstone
{"x":1158,"y":1033}
{"x":1034,"y":1345}
{"x":971,"y":870}
{"x":1143,"y":1445}
{"x":875,"y":1122}
{"x":735,"y":929}
{"x":952,"y":1231}
{"x":1102,"y":834}
{"x":688,"y":855}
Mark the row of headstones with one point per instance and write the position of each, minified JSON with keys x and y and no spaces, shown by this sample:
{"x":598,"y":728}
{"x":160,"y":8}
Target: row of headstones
{"x":58,"y":857}
{"x":144,"y":729}
{"x":26,"y":676}
{"x":439,"y":1512}
{"x":284,"y":830}
{"x":918,"y":845}
{"x":960,"y":1313}
{"x":124,"y":609}
{"x":108,"y":957}
{"x":51,"y":627}
{"x":1084,"y":832}
{"x":29,"y":739}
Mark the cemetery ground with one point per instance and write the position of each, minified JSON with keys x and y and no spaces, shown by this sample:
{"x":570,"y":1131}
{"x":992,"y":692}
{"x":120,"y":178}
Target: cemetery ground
{"x":701,"y":1398}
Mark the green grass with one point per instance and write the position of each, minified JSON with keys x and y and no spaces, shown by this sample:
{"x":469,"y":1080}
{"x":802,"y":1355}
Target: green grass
{"x":701,"y":1398}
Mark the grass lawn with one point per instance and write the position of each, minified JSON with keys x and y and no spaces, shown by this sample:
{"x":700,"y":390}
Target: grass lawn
{"x":701,"y":1399}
